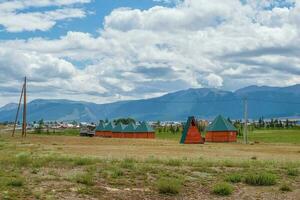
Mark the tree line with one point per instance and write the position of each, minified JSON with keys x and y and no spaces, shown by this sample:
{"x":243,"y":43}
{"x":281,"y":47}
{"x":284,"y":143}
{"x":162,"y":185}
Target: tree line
{"x":275,"y":123}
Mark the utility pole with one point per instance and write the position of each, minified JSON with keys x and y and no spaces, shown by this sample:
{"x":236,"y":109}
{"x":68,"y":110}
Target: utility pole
{"x":24,"y":124}
{"x":245,"y":134}
{"x":14,"y":130}
{"x":24,"y":111}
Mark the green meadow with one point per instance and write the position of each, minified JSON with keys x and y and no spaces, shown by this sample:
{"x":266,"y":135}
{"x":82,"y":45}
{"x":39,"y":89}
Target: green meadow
{"x":276,"y":136}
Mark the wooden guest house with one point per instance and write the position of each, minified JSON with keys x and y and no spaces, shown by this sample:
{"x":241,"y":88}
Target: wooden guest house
{"x":221,"y":130}
{"x":132,"y":130}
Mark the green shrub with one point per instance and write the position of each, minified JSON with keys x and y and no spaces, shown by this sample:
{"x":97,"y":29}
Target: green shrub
{"x":116,"y":172}
{"x":174,"y":162}
{"x":260,"y":179}
{"x":253,"y":158}
{"x":292,"y":172}
{"x":53,"y":173}
{"x":37,"y":194}
{"x":85,"y":190}
{"x":84,"y":178}
{"x":233,"y":178}
{"x":228,"y":163}
{"x":51,"y":159}
{"x":92,"y":169}
{"x":153,"y":160}
{"x":222,"y":189}
{"x":34,"y":171}
{"x":80,"y":161}
{"x":169,"y":185}
{"x":128,"y":163}
{"x":23,"y":159}
{"x":15,"y":182}
{"x":285,"y":188}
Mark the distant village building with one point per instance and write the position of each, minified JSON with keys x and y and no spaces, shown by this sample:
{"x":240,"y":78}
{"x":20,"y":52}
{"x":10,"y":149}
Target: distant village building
{"x":221,"y":130}
{"x":203,"y":123}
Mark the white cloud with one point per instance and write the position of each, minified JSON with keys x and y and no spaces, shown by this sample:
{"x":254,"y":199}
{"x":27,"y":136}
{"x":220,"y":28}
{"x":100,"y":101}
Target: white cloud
{"x":14,"y":5}
{"x":15,"y":18}
{"x":39,"y":67}
{"x":190,"y":15}
{"x":146,"y":53}
{"x":169,"y":1}
{"x":214,"y":80}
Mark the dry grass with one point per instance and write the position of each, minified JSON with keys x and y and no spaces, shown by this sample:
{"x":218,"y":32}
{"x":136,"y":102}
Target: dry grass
{"x":143,"y":148}
{"x":67,"y":167}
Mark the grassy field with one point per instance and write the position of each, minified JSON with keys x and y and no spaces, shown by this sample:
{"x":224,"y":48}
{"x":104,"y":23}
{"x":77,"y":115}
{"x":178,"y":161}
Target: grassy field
{"x":276,"y":136}
{"x":72,"y":167}
{"x":61,"y":131}
{"x":291,"y":136}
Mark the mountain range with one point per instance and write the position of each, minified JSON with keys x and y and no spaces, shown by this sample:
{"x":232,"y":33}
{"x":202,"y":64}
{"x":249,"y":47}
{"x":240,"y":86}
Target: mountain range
{"x":269,"y":102}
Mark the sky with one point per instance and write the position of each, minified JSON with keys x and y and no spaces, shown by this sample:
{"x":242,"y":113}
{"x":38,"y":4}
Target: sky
{"x":110,"y":50}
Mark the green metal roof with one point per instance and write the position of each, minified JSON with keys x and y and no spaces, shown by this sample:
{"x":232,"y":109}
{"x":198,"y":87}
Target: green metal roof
{"x":130,"y":128}
{"x":144,"y":127}
{"x":119,"y":128}
{"x":186,"y":128}
{"x":109,"y":127}
{"x":220,"y":124}
{"x":100,"y":126}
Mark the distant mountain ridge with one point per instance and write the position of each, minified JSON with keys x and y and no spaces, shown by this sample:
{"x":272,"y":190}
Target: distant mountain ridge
{"x":9,"y":107}
{"x":202,"y":103}
{"x":255,"y":88}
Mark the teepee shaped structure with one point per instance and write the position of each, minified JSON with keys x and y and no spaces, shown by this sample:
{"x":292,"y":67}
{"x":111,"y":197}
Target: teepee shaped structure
{"x":191,"y":134}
